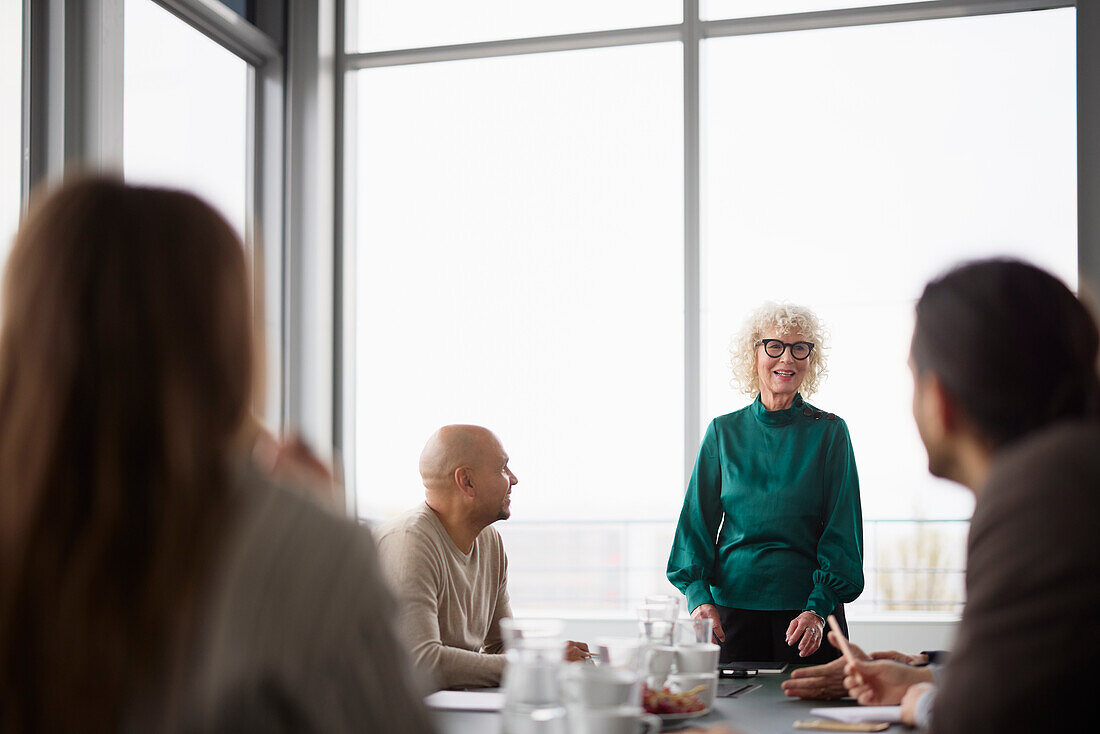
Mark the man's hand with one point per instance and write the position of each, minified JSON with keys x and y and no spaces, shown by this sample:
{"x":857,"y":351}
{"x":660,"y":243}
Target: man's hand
{"x":576,"y":652}
{"x":909,"y":702}
{"x":805,"y":630}
{"x":882,"y":682}
{"x":821,"y":682}
{"x":709,"y":611}
{"x":900,"y":657}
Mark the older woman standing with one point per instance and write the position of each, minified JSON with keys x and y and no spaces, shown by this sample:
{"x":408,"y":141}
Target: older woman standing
{"x":769,"y":541}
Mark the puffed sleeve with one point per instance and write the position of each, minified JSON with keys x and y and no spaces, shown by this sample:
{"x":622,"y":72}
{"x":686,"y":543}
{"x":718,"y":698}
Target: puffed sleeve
{"x":691,"y":561}
{"x":839,"y":578}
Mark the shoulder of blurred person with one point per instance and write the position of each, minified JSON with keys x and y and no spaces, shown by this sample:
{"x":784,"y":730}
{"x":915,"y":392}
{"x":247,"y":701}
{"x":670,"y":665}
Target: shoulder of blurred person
{"x":1029,"y":630}
{"x":296,"y":634}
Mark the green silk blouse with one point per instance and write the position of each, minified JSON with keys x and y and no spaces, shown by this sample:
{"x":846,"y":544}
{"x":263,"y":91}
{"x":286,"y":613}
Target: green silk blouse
{"x":771,"y":518}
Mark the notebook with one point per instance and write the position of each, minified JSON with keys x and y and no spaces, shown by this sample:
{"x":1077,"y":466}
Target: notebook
{"x":466,"y":700}
{"x":852,"y":714}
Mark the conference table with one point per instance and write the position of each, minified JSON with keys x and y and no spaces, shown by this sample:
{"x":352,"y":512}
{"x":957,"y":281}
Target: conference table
{"x":762,"y":710}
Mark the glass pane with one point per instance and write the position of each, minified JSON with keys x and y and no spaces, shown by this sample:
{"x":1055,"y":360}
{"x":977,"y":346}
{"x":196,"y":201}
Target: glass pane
{"x":519,"y":262}
{"x":720,"y":9}
{"x":389,"y":24}
{"x":185,"y":115}
{"x":855,"y":165}
{"x":11,"y":64}
{"x":241,"y":8}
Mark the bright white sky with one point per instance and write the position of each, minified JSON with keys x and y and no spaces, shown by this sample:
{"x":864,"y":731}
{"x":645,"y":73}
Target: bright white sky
{"x":520,"y":265}
{"x":184,"y":110}
{"x":844,"y":168}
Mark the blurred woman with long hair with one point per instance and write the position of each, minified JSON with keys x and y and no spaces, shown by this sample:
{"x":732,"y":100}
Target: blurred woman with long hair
{"x":150,"y":577}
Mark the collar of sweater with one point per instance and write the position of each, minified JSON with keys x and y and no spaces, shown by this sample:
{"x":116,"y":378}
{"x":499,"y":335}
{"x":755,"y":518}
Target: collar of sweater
{"x":776,"y":417}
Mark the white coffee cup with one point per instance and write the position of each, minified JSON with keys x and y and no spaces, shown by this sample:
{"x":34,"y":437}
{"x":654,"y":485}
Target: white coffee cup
{"x":587,"y":686}
{"x":659,"y":660}
{"x":612,"y":720}
{"x":683,"y":682}
{"x":700,"y":657}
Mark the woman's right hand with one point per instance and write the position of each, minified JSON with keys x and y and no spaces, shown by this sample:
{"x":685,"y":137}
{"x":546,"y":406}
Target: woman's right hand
{"x":709,"y":611}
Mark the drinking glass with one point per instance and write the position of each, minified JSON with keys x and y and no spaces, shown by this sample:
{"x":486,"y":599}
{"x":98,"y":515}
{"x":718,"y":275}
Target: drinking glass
{"x":670,"y":602}
{"x":532,"y":699}
{"x":693,"y":631}
{"x":656,"y":624}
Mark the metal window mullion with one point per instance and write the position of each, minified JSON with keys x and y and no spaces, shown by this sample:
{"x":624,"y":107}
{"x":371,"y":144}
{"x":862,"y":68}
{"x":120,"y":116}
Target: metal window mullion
{"x":875,"y":15}
{"x":253,"y":167}
{"x":263,"y":226}
{"x":692,"y":38}
{"x":32,"y":146}
{"x":226,"y":27}
{"x":699,"y":29}
{"x":344,"y":264}
{"x":513,"y":47}
{"x":1088,"y":150}
{"x":72,"y":88}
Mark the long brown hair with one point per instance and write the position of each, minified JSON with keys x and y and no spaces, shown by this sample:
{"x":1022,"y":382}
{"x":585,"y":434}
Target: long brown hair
{"x":125,"y":379}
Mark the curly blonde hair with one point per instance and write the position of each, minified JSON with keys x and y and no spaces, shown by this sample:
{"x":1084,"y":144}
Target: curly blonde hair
{"x":783,"y":318}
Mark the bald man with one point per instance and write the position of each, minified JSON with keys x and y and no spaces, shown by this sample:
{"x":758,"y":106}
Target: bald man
{"x":447,"y":565}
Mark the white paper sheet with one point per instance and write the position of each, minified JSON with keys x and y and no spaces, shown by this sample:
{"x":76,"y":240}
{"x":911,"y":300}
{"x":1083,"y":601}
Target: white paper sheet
{"x":853,"y":714}
{"x":466,"y":700}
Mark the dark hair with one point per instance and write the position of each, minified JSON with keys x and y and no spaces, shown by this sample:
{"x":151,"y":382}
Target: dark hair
{"x":1011,"y":344}
{"x":125,"y":380}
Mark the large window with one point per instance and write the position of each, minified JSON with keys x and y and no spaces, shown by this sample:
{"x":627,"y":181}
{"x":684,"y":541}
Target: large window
{"x":11,"y":62}
{"x":846,"y":184}
{"x":519,"y":266}
{"x":185,"y":110}
{"x":527,"y":256}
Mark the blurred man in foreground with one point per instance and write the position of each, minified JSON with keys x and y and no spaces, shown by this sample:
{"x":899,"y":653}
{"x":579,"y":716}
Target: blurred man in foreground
{"x":1006,"y":400}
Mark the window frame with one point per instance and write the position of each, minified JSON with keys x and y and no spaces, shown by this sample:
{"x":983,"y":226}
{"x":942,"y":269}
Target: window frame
{"x":73,"y":121}
{"x":692,"y":31}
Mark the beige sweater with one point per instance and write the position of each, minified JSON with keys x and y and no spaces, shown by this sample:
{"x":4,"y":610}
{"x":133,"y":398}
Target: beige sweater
{"x":450,"y":602}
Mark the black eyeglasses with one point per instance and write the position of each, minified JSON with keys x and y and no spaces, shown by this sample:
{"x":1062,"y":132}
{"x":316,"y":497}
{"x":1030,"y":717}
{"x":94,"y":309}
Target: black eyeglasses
{"x":775,"y":347}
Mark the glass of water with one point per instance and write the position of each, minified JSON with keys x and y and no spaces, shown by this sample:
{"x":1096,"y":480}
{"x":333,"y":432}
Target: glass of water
{"x":532,"y":698}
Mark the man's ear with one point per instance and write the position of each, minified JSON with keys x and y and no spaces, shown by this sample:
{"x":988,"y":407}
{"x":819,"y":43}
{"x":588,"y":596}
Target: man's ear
{"x":941,"y":412}
{"x":464,"y":480}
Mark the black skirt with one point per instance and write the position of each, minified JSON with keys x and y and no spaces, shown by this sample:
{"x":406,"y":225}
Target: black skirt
{"x":761,"y":636}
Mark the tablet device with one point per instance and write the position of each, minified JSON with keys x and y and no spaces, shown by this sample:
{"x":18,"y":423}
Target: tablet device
{"x":732,"y":671}
{"x":759,"y":667}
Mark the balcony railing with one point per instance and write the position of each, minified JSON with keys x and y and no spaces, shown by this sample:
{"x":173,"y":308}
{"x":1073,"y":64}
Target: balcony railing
{"x":605,"y":568}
